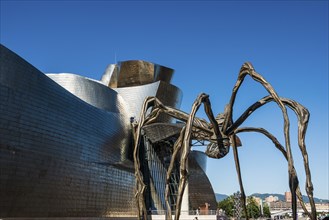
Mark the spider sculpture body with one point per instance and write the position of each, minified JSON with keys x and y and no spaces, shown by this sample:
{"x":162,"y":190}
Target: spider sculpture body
{"x":221,"y":133}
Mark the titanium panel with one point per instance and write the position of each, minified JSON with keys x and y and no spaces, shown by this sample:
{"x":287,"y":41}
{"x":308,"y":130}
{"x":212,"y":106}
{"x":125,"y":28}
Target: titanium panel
{"x":135,"y":73}
{"x":92,"y":92}
{"x":66,"y":142}
{"x":200,"y":189}
{"x":59,"y":156}
{"x":134,"y":96}
{"x":201,"y":158}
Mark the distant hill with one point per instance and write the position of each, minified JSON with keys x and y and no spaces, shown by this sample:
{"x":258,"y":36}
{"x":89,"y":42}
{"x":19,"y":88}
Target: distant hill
{"x":264,"y":195}
{"x":221,"y":197}
{"x":282,"y":198}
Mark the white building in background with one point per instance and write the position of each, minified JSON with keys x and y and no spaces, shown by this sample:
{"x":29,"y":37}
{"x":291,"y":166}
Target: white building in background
{"x":271,"y":199}
{"x":258,"y":200}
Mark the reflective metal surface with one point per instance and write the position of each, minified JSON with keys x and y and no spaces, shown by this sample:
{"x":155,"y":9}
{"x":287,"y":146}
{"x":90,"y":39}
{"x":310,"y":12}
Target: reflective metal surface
{"x":135,"y":73}
{"x":66,"y":141}
{"x":92,"y":92}
{"x":58,"y":153}
{"x":200,"y":189}
{"x":134,"y":96}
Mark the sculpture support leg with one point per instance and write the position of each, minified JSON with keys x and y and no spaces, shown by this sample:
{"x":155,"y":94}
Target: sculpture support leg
{"x":202,"y":130}
{"x":303,"y":118}
{"x":238,"y":170}
{"x":247,"y":69}
{"x":177,"y":147}
{"x":185,"y":152}
{"x":279,"y":147}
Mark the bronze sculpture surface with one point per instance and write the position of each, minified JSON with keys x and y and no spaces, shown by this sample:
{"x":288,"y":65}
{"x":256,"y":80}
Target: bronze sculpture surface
{"x":221,"y":133}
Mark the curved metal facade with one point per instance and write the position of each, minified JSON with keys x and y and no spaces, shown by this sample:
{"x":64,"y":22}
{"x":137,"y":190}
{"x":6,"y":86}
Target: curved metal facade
{"x":66,"y":143}
{"x":92,"y":92}
{"x":169,"y":94}
{"x":59,"y":155}
{"x":135,"y":73}
{"x":200,"y":189}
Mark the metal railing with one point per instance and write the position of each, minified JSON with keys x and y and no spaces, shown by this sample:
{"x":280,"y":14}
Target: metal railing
{"x":190,"y":212}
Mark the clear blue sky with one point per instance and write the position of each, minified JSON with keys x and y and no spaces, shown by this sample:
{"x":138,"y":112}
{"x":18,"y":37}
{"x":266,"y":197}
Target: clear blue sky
{"x":206,"y":42}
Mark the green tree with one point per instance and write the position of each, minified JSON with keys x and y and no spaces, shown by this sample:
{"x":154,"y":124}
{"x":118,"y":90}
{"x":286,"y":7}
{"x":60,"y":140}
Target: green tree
{"x":266,"y":211}
{"x":252,"y":208}
{"x":227,"y":205}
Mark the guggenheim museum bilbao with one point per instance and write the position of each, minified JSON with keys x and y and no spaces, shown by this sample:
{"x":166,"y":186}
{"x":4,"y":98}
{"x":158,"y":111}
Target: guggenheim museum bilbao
{"x":66,"y":142}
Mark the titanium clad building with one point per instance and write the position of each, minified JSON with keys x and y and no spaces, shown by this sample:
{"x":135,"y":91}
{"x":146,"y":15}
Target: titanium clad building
{"x":66,"y":141}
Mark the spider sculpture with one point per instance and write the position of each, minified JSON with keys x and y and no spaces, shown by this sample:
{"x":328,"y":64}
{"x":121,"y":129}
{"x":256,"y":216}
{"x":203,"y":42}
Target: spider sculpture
{"x":221,"y":133}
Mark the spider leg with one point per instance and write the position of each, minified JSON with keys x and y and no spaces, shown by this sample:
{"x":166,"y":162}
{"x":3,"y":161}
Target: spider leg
{"x":202,"y":98}
{"x":303,"y":117}
{"x":247,"y":69}
{"x":186,"y":148}
{"x":281,"y":148}
{"x":177,"y":147}
{"x":217,"y":131}
{"x":198,"y":123}
{"x":146,"y":118}
{"x":140,"y":186}
{"x":238,"y":170}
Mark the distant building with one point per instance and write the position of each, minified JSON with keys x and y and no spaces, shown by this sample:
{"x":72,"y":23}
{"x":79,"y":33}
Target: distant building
{"x":287,"y":196}
{"x":271,"y":199}
{"x":258,"y":200}
{"x":281,"y":205}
